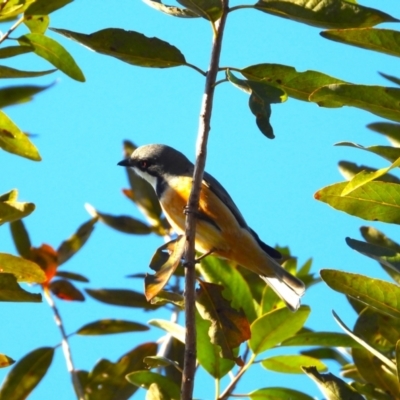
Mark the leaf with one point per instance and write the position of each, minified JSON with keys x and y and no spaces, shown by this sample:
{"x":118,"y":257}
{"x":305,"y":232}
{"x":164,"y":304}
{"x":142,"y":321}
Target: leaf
{"x":209,"y":9}
{"x":13,"y":140}
{"x":111,"y":326}
{"x":375,"y":201}
{"x":11,"y":291}
{"x":262,"y":95}
{"x":11,"y":210}
{"x":165,"y":297}
{"x":275,"y":393}
{"x":159,"y":361}
{"x":383,"y":40}
{"x":174,"y":351}
{"x":331,"y":386}
{"x":72,"y":245}
{"x":364,"y":177}
{"x":120,"y":297}
{"x":378,"y":100}
{"x":155,"y":392}
{"x":12,"y":8}
{"x":65,"y":290}
{"x":46,"y":7}
{"x":54,"y":53}
{"x":37,"y":23}
{"x":389,"y":129}
{"x":7,"y":72}
{"x":155,"y":283}
{"x":349,"y":170}
{"x":388,"y":152}
{"x":292,"y":364}
{"x":21,"y":238}
{"x":72,"y":275}
{"x":171,"y":10}
{"x":298,"y":85}
{"x":146,"y":378}
{"x":229,"y":327}
{"x":174,"y":329}
{"x":236,"y":290}
{"x":26,"y":374}
{"x":5,"y":361}
{"x":12,"y":51}
{"x":275,"y":327}
{"x":130,"y":47}
{"x":331,"y":339}
{"x":381,"y":295}
{"x":325,"y":13}
{"x":46,"y":257}
{"x":17,"y":94}
{"x":107,"y":379}
{"x":327,"y":353}
{"x":398,"y":359}
{"x":390,"y":78}
{"x":24,"y":270}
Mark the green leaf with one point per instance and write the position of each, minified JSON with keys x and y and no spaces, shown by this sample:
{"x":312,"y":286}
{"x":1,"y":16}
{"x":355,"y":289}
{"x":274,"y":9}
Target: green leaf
{"x":163,"y":297}
{"x":208,"y":9}
{"x":398,"y":359}
{"x":174,"y":329}
{"x":130,"y":47}
{"x":275,"y":393}
{"x":12,"y":51}
{"x":146,"y":378}
{"x":171,"y":10}
{"x":389,"y":129}
{"x":332,"y":387}
{"x":327,"y":353}
{"x":12,"y":8}
{"x":292,"y":364}
{"x":5,"y":361}
{"x":349,"y":170}
{"x":72,"y":245}
{"x":383,"y":40}
{"x":120,"y":297}
{"x":26,"y":374}
{"x":111,"y":326}
{"x":165,"y":267}
{"x":13,"y":140}
{"x":21,"y":238}
{"x":298,"y":85}
{"x":7,"y":72}
{"x":381,"y":295}
{"x":331,"y":339}
{"x":275,"y":327}
{"x":390,"y":78}
{"x":72,"y":275}
{"x":54,"y":53}
{"x":24,"y":270}
{"x":46,"y":7}
{"x":388,"y":152}
{"x":378,"y":100}
{"x":18,"y":94}
{"x":37,"y":23}
{"x":159,"y":361}
{"x":375,"y":201}
{"x":65,"y":290}
{"x":155,"y":392}
{"x":11,"y":291}
{"x":325,"y":13}
{"x":237,"y":290}
{"x":229,"y":327}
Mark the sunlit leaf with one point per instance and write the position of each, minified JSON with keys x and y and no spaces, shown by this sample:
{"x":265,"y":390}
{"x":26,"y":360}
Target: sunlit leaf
{"x":156,"y":392}
{"x":65,"y":290}
{"x":13,"y":8}
{"x":159,"y":361}
{"x":332,"y":339}
{"x":375,"y":201}
{"x":13,"y":140}
{"x":11,"y":291}
{"x":12,"y":210}
{"x":383,"y":40}
{"x":37,"y":23}
{"x":7,"y":72}
{"x":291,"y":364}
{"x":326,"y":353}
{"x":24,"y":270}
{"x":275,"y":327}
{"x":378,"y":100}
{"x":332,"y":387}
{"x":21,"y":238}
{"x":15,"y":95}
{"x":129,"y":46}
{"x":54,"y":53}
{"x":46,"y":7}
{"x":325,"y":13}
{"x":5,"y":361}
{"x":349,"y":170}
{"x":209,"y":9}
{"x":174,"y":329}
{"x":26,"y":374}
{"x":275,"y":393}
{"x":171,"y":10}
{"x":163,"y":297}
{"x":388,"y":152}
{"x":111,"y":326}
{"x":12,"y":51}
{"x":389,"y":129}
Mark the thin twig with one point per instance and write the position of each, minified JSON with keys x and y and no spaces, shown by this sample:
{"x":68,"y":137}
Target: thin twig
{"x":196,"y":69}
{"x":192,"y":207}
{"x":11,"y":30}
{"x":65,"y":346}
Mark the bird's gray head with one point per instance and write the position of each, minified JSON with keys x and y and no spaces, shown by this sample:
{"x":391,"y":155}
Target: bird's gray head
{"x":156,"y":163}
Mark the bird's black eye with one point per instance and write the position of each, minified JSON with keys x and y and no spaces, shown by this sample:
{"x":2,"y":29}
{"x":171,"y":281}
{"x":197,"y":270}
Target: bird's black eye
{"x":144,"y":164}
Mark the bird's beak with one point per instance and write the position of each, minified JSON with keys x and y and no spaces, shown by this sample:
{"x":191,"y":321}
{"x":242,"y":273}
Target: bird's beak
{"x":125,"y":163}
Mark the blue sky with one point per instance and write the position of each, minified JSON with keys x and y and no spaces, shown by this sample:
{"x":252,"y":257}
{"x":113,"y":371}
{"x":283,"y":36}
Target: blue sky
{"x":79,"y":129}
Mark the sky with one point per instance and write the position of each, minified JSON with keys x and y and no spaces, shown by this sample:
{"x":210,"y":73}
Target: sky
{"x":79,"y":129}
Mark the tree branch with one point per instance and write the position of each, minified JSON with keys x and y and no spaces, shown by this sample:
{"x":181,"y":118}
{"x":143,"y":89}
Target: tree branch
{"x":11,"y":30}
{"x":192,"y":207}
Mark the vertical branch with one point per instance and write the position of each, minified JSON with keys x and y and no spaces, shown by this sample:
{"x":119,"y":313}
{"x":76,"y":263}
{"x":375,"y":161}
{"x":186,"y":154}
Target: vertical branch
{"x":192,"y":207}
{"x":65,"y":345}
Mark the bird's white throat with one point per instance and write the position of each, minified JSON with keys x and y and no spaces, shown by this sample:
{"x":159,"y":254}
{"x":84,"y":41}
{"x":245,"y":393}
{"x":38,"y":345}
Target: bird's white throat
{"x":147,"y":177}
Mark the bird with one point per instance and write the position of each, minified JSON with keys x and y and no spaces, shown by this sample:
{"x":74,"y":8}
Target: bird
{"x":220,"y":227}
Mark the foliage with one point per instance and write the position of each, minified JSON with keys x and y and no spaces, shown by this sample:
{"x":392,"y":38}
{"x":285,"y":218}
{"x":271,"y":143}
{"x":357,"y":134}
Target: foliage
{"x":239,"y":320}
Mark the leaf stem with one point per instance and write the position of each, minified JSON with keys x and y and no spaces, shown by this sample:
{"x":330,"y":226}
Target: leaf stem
{"x":11,"y":30}
{"x":65,"y":345}
{"x":192,"y":207}
{"x":217,"y":388}
{"x":241,"y":7}
{"x":196,"y":69}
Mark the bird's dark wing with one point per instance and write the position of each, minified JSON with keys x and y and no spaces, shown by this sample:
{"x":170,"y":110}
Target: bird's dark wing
{"x":224,"y":196}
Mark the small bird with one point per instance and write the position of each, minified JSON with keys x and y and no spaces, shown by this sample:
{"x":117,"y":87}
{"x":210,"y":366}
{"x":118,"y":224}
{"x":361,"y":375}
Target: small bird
{"x":220,"y":227}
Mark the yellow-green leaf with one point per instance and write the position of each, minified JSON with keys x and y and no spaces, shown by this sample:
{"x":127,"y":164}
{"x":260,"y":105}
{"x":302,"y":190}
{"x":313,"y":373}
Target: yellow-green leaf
{"x":11,"y":291}
{"x":209,"y":9}
{"x":12,"y":8}
{"x":21,"y":238}
{"x":174,"y":329}
{"x":171,"y":10}
{"x":111,"y":326}
{"x":349,"y":170}
{"x":389,"y":129}
{"x":12,"y":51}
{"x":329,"y":339}
{"x":37,"y":23}
{"x":11,"y":209}
{"x":291,"y":364}
{"x":24,"y":270}
{"x":7,"y":72}
{"x":275,"y":393}
{"x":45,"y":7}
{"x":18,"y":94}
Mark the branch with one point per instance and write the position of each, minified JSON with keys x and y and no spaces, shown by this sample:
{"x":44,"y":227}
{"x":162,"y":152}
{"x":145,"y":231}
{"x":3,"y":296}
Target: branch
{"x":192,"y":207}
{"x":65,"y":345}
{"x":11,"y":30}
